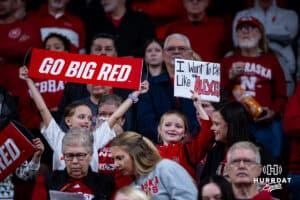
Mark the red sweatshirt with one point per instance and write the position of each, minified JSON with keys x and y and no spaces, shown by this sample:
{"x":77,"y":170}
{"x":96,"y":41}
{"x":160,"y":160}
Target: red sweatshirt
{"x":291,"y":127}
{"x":196,"y":149}
{"x":209,"y":37}
{"x":263,"y":79}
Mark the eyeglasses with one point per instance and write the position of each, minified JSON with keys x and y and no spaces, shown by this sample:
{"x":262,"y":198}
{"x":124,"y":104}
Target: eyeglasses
{"x":78,"y":156}
{"x":180,"y":49}
{"x":246,"y":162}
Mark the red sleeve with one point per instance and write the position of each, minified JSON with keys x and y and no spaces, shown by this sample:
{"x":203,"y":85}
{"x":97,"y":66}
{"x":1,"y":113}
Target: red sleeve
{"x":29,"y":114}
{"x":291,"y":119}
{"x":198,"y":147}
{"x":279,"y":88}
{"x":39,"y":191}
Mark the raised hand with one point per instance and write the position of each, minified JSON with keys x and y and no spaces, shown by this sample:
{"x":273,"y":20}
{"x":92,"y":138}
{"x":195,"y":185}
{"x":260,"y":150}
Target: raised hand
{"x":39,"y":149}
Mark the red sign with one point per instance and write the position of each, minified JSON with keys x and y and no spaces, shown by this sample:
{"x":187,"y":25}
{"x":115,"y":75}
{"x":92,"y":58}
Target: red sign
{"x":15,"y":148}
{"x":88,"y":69}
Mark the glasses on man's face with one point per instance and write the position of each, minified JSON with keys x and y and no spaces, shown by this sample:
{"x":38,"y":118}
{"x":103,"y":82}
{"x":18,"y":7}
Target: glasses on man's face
{"x":78,"y":156}
{"x":246,"y":162}
{"x":180,"y":49}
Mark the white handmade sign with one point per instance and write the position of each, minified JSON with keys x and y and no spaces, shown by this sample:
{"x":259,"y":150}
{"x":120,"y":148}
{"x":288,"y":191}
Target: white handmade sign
{"x":201,"y":77}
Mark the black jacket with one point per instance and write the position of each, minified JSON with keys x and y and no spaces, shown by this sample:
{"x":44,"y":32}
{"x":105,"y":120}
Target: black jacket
{"x":101,"y":184}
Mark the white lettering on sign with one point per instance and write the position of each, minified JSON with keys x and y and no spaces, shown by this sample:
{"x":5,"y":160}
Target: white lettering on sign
{"x":9,"y":152}
{"x":81,"y":69}
{"x":49,"y":86}
{"x":51,"y":66}
{"x":115,"y":72}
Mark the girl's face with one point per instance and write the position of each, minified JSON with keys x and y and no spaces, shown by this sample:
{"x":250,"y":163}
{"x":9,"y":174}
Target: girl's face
{"x":122,"y":161}
{"x":219,"y":127}
{"x":211,"y":191}
{"x":82,"y":118}
{"x":153,"y":54}
{"x":172,"y":129}
{"x":54,"y":44}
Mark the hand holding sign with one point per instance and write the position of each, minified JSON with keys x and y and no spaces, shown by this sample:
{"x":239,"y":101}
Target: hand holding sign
{"x":39,"y":149}
{"x":198,"y":105}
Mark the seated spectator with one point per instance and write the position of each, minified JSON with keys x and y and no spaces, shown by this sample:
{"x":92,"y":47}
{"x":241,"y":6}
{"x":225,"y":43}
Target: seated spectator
{"x":131,"y":29}
{"x":77,"y":177}
{"x":229,"y":124}
{"x":280,"y":33}
{"x":258,"y":72}
{"x":208,"y":35}
{"x":243,"y":166}
{"x":17,"y":37}
{"x":136,"y":156}
{"x":215,"y":187}
{"x":52,"y":17}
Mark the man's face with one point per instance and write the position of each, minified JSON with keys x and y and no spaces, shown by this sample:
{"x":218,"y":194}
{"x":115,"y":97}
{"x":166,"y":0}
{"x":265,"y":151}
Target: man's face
{"x":58,"y":4}
{"x":110,"y":6}
{"x":195,"y":7}
{"x":242,"y":167}
{"x":248,"y":36}
{"x":6,"y":8}
{"x":77,"y":160}
{"x":103,"y":47}
{"x":97,"y":90}
{"x":176,"y":48}
{"x":265,"y":4}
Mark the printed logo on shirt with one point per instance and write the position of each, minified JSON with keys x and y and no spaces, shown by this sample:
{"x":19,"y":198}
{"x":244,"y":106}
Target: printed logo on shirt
{"x":258,"y":70}
{"x":15,"y":33}
{"x":151,"y":185}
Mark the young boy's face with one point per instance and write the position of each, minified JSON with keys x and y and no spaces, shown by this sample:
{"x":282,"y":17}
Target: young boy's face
{"x":106,"y":110}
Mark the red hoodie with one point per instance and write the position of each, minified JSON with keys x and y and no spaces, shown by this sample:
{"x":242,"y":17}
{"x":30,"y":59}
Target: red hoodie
{"x":189,"y":154}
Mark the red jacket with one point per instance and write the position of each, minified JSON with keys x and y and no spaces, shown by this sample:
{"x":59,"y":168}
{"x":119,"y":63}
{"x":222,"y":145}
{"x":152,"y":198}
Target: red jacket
{"x":291,"y":127}
{"x":189,"y":154}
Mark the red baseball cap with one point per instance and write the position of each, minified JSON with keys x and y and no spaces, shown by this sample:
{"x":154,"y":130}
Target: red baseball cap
{"x":249,"y":20}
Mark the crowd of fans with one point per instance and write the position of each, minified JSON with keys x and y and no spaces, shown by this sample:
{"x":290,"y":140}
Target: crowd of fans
{"x":113,"y":143}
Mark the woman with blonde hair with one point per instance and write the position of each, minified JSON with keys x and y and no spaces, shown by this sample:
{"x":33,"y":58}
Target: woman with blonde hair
{"x":131,"y":193}
{"x":136,"y":156}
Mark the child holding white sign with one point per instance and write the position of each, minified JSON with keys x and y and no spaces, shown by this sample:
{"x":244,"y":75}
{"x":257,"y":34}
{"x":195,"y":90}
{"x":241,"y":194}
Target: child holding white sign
{"x":78,"y":115}
{"x":173,"y":130}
